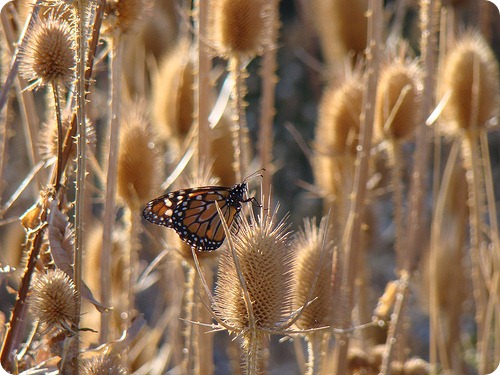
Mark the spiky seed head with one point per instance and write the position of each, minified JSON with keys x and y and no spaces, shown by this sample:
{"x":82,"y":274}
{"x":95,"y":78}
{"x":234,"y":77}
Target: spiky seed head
{"x":342,"y":27}
{"x":338,"y":118}
{"x":54,"y":299}
{"x":241,"y":28}
{"x":138,"y":161}
{"x":173,"y":108}
{"x":126,"y":15}
{"x":102,"y":365}
{"x":357,"y":361}
{"x":48,"y":56}
{"x":398,"y":100}
{"x":470,"y":76}
{"x":312,"y":269}
{"x":262,"y":250}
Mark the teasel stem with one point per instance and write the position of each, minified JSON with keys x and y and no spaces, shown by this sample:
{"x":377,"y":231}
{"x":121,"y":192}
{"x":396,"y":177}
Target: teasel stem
{"x":202,"y":82}
{"x":80,"y":18}
{"x":57,"y":105}
{"x":317,"y":345}
{"x":190,"y":364}
{"x":350,"y":242}
{"x":239,"y":127}
{"x":255,"y":352}
{"x":470,"y":155}
{"x":110,"y":191}
{"x":269,"y":80}
{"x":395,"y":155}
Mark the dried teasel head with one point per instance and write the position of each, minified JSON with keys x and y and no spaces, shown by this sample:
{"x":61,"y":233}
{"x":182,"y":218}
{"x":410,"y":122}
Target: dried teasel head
{"x":173,"y":108}
{"x":312,"y":275}
{"x":470,"y":78}
{"x":48,"y":56}
{"x":416,"y":366}
{"x":262,"y":252}
{"x":102,"y":365}
{"x":53,"y":300}
{"x":397,"y":108}
{"x":126,"y":15}
{"x":139,"y":161}
{"x":242,"y":28}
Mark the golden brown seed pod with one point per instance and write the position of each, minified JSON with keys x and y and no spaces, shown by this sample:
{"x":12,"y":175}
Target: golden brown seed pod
{"x":126,"y":15}
{"x":312,"y":269}
{"x":242,"y":28}
{"x":172,"y":106}
{"x":338,"y":118}
{"x":342,"y":27}
{"x":53,"y":300}
{"x":138,"y":162}
{"x":262,"y":250}
{"x":470,"y":77}
{"x":48,"y":56}
{"x":398,"y":100}
{"x":357,"y":361}
{"x":102,"y":365}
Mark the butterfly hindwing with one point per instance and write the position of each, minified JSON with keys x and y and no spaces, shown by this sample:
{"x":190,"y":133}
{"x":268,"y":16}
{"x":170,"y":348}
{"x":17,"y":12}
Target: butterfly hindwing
{"x":192,"y":213}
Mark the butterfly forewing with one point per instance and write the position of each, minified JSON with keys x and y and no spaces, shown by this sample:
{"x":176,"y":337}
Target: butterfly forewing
{"x":192,"y":213}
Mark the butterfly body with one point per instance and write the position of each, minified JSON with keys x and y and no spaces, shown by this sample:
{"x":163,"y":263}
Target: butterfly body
{"x":192,"y":213}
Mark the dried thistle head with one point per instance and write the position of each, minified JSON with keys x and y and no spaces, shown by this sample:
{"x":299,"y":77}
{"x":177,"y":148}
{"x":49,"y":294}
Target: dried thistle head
{"x":397,"y":105}
{"x":340,"y":108}
{"x":416,"y":366}
{"x":312,"y":269}
{"x":173,"y":108}
{"x":139,"y":161}
{"x":470,"y":76}
{"x":53,"y":300}
{"x":242,"y":28}
{"x":342,"y":27}
{"x":102,"y":365}
{"x":48,"y":56}
{"x":262,"y":251}
{"x":126,"y":15}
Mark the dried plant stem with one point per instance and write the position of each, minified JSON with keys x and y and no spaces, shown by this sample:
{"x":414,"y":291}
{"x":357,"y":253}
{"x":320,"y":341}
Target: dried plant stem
{"x":350,"y":243}
{"x":317,"y":345}
{"x":396,"y":324}
{"x":269,"y":80}
{"x":190,"y":363}
{"x":110,"y":194}
{"x":255,"y":352}
{"x":202,"y":84}
{"x":395,"y":155}
{"x":57,"y":106}
{"x":80,"y":18}
{"x":470,"y":155}
{"x":239,"y":129}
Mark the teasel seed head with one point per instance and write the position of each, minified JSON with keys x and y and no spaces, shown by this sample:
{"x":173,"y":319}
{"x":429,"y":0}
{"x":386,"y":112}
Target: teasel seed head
{"x":102,"y":365}
{"x":173,"y":108}
{"x":470,"y":76}
{"x":337,"y":132}
{"x":53,"y":300}
{"x":126,"y":15}
{"x":312,"y":269}
{"x":48,"y":56}
{"x":262,"y":250}
{"x":139,"y":161}
{"x":242,"y":28}
{"x":342,"y":27}
{"x":397,"y":109}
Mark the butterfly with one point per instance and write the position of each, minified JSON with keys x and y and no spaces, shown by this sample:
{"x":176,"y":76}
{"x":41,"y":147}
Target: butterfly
{"x":192,"y":213}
